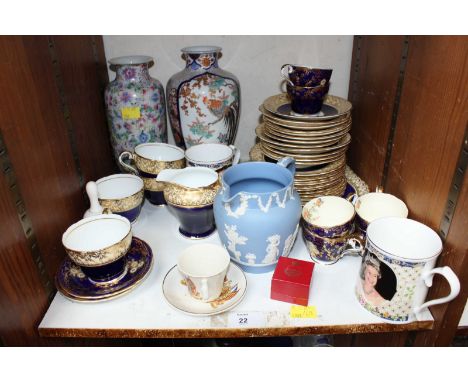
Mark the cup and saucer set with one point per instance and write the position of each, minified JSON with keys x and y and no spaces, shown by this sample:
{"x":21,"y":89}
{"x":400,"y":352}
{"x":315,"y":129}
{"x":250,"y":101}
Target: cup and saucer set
{"x":204,"y":282}
{"x":106,"y":261}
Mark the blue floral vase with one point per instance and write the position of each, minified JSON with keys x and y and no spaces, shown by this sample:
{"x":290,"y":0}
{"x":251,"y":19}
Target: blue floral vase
{"x":203,"y":100}
{"x":135,"y":103}
{"x":257,"y":213}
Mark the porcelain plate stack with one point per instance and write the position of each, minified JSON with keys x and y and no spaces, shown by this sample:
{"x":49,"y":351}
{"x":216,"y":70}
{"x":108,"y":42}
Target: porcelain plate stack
{"x":317,"y":142}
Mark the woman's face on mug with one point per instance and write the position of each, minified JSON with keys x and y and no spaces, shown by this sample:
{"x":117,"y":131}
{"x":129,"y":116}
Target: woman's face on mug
{"x":371,"y":275}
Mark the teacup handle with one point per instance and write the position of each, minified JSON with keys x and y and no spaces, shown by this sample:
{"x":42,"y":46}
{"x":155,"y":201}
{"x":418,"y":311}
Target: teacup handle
{"x":285,"y":70}
{"x":204,"y":289}
{"x":354,"y":245}
{"x":453,"y":281}
{"x":129,"y":155}
{"x":236,"y":156}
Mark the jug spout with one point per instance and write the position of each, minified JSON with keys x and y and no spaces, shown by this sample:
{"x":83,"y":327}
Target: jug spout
{"x":168,"y":175}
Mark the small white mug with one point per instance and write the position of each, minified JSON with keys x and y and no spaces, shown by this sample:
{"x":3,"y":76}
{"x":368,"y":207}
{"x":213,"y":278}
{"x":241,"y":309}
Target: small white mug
{"x":212,"y":155}
{"x":204,"y":267}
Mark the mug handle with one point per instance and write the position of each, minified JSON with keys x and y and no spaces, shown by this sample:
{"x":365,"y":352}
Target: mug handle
{"x":236,"y":156}
{"x":453,"y":281}
{"x":130,"y":156}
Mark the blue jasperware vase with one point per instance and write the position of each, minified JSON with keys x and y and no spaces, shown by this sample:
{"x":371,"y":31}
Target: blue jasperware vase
{"x":257,"y":213}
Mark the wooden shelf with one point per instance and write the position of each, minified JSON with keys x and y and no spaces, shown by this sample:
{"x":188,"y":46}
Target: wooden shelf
{"x":144,"y":312}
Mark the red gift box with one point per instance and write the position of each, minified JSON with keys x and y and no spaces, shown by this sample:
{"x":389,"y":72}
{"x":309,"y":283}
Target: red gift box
{"x":291,"y":281}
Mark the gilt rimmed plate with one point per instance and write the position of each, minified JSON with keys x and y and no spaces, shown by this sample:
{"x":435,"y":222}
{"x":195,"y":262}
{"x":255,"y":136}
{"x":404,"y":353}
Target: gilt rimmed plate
{"x":304,"y":125}
{"x":73,"y":284}
{"x":316,"y":134}
{"x":301,"y":158}
{"x":299,"y":149}
{"x":304,"y":140}
{"x":332,"y":107}
{"x":177,"y":295}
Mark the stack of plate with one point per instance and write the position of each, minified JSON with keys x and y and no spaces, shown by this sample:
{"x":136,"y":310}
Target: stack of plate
{"x":317,"y":142}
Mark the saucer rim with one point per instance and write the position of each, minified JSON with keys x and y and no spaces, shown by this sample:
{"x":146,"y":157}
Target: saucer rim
{"x":90,"y":299}
{"x":227,"y":308}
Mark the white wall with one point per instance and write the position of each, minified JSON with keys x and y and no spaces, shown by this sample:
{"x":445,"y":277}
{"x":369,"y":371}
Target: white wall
{"x":255,"y":60}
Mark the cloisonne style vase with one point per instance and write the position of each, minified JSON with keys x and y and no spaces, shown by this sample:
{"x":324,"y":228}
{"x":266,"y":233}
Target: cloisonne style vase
{"x":135,"y":103}
{"x":203,"y":100}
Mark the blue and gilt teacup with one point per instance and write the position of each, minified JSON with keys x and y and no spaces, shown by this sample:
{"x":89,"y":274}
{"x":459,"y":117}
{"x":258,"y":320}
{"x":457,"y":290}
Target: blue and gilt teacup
{"x":121,"y":194}
{"x":98,"y":244}
{"x":327,"y":227}
{"x":300,"y":75}
{"x":150,"y":159}
{"x":307,"y":100}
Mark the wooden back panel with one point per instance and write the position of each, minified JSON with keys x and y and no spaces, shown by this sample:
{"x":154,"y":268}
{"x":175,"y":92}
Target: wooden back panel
{"x":422,"y":148}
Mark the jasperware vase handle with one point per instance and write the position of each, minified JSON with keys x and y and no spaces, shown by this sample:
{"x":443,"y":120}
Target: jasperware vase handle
{"x":288,"y":163}
{"x":453,"y":281}
{"x":129,"y":155}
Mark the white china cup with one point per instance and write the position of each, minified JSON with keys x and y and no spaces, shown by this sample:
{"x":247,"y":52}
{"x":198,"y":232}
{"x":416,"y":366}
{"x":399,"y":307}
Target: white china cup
{"x":212,"y":155}
{"x":375,"y":205}
{"x":397,"y":269}
{"x":204,"y":267}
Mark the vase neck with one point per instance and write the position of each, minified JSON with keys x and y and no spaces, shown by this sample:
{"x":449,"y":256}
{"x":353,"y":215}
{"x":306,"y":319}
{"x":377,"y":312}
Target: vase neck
{"x":133,"y":73}
{"x":196,"y":61}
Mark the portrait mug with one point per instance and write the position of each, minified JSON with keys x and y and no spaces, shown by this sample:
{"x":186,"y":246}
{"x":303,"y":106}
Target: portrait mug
{"x":398,"y":265}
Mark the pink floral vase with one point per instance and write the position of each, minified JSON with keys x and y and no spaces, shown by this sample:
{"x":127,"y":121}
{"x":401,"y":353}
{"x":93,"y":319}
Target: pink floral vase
{"x":203,"y":100}
{"x":135,"y":102}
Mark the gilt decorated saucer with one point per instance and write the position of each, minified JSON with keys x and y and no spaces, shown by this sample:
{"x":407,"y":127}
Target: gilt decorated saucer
{"x":176,"y":293}
{"x":72,"y":283}
{"x":333,"y":107}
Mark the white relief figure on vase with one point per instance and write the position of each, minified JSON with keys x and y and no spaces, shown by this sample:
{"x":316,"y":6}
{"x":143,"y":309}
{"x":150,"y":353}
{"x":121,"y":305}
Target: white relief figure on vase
{"x":288,"y":244}
{"x":250,"y":257}
{"x":234,"y":239}
{"x":272,"y":249}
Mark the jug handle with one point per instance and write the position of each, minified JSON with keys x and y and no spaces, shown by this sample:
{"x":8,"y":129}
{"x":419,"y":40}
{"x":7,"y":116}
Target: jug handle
{"x":125,"y":165}
{"x":288,"y":163}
